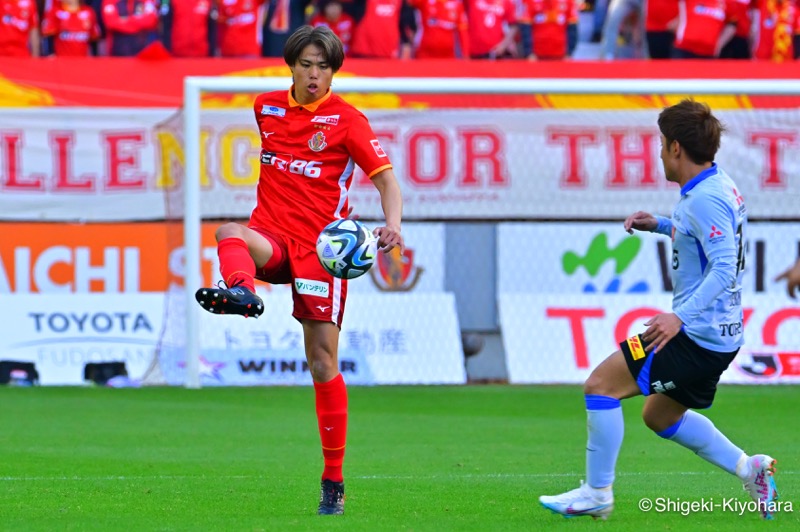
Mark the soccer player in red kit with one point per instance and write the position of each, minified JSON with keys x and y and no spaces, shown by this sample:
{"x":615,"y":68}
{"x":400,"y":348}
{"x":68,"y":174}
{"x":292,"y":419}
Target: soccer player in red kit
{"x":332,"y":15}
{"x":73,"y":27}
{"x":19,"y":28}
{"x":441,"y":22}
{"x":704,"y":28}
{"x":492,"y":28}
{"x":311,"y":139}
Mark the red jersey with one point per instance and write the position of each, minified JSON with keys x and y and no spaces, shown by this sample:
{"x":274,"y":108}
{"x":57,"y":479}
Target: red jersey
{"x":307,"y":158}
{"x":776,"y":26}
{"x":17,"y":19}
{"x":700,"y":24}
{"x":190,"y":27}
{"x":548,"y":20}
{"x":130,"y":25}
{"x":739,"y":12}
{"x":73,"y":30}
{"x":378,"y":33}
{"x":238,"y":28}
{"x":486,"y":20}
{"x":343,"y":28}
{"x":441,"y":20}
{"x":659,"y":13}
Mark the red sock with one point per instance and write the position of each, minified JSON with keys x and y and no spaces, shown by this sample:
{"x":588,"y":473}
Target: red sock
{"x":332,"y":419}
{"x":235,"y":263}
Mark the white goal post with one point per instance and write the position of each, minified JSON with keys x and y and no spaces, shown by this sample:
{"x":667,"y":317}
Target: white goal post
{"x":194,"y":87}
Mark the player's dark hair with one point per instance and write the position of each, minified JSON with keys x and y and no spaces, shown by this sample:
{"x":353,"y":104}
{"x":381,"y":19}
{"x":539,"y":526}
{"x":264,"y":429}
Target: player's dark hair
{"x":323,"y":37}
{"x":694,"y":127}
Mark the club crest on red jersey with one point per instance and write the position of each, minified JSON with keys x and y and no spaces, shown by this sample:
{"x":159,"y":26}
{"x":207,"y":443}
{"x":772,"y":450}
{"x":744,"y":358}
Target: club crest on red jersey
{"x":317,"y":141}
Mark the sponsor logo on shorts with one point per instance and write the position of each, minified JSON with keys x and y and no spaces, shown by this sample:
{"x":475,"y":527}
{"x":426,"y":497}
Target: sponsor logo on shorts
{"x":331,"y":120}
{"x":307,"y":287}
{"x":635,"y":345}
{"x":660,"y":387}
{"x":272,"y":110}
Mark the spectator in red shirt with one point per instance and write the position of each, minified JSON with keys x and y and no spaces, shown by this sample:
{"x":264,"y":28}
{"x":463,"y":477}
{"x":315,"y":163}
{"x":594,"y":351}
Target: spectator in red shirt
{"x":19,"y":28}
{"x":379,"y":34}
{"x":441,"y":22}
{"x":187,"y":27}
{"x":661,"y":18}
{"x":492,"y":28}
{"x":704,"y":27}
{"x":543,"y":26}
{"x":739,"y":45}
{"x":331,"y":14}
{"x":238,"y":22}
{"x":73,"y":27}
{"x":776,"y":24}
{"x":130,"y":25}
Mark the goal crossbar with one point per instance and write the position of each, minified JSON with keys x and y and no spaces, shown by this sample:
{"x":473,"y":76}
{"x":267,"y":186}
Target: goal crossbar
{"x":195,"y":86}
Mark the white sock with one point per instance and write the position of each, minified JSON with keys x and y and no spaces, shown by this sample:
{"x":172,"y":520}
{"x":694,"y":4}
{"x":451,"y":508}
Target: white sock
{"x":696,"y":432}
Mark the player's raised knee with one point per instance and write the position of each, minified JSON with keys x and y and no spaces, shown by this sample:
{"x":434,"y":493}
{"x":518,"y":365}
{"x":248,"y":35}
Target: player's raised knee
{"x":229,"y":230}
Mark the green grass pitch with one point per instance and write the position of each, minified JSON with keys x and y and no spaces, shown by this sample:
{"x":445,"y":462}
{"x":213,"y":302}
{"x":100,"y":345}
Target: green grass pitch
{"x":418,"y":458}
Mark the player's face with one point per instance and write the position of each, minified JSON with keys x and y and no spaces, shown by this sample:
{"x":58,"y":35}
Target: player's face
{"x":668,"y":159}
{"x":312,"y":75}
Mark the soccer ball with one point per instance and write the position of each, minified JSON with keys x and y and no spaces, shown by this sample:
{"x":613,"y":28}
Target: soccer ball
{"x":346,"y":248}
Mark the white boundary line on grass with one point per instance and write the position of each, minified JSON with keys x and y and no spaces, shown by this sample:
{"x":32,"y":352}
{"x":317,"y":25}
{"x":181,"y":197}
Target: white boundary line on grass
{"x":359,"y":477}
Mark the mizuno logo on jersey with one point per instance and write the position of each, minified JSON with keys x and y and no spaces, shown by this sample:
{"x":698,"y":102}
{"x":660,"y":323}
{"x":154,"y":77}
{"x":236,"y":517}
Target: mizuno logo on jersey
{"x":272,"y":110}
{"x":331,"y":120}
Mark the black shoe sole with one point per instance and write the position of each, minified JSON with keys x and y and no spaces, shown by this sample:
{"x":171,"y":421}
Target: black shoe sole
{"x":217,"y":301}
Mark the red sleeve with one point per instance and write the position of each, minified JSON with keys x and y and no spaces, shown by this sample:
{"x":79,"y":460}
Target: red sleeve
{"x":34,"y":20}
{"x":364,"y":147}
{"x":49,"y":23}
{"x":511,"y":12}
{"x":94,"y":32}
{"x":148,"y":20}
{"x":115,"y":22}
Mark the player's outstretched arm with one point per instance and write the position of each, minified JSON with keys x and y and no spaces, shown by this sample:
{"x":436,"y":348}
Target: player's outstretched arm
{"x":792,"y":276}
{"x":389,"y":235}
{"x":641,"y":221}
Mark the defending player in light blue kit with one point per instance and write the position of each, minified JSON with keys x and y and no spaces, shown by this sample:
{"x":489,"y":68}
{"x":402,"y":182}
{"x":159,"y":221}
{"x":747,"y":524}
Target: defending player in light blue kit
{"x":676,"y":363}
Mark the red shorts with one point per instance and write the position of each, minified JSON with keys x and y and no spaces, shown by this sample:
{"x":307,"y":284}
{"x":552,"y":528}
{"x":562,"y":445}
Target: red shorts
{"x":317,"y":295}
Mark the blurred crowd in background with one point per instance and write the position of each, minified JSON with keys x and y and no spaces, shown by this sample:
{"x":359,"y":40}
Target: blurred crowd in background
{"x":406,"y":29}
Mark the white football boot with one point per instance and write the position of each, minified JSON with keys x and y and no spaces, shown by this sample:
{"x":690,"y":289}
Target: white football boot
{"x":758,"y":477}
{"x":598,"y":503}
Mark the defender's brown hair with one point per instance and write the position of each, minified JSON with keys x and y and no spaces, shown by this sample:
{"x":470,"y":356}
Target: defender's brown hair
{"x":695,"y":128}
